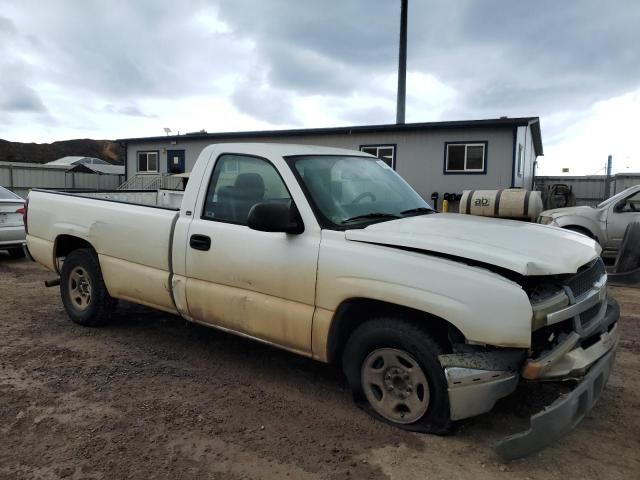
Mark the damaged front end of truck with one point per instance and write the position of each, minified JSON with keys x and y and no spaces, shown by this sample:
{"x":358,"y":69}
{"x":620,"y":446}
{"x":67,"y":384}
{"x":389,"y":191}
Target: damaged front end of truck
{"x":574,"y":340}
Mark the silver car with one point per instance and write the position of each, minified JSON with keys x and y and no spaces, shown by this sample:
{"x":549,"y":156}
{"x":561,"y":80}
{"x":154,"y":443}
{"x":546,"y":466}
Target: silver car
{"x":12,"y":235}
{"x":605,"y":222}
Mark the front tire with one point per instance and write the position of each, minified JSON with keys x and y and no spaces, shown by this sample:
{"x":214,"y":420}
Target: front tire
{"x":394,"y":373}
{"x":84,"y":295}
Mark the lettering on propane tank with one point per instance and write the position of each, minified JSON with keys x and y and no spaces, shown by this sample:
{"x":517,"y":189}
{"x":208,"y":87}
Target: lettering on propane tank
{"x":482,"y":202}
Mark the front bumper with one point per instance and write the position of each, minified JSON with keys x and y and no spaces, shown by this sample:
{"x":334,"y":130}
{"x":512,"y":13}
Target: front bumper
{"x":562,"y":416}
{"x":477,"y":380}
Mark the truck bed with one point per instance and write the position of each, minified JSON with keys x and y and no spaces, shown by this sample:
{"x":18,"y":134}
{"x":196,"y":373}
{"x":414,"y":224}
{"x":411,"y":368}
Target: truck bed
{"x":132,"y":239}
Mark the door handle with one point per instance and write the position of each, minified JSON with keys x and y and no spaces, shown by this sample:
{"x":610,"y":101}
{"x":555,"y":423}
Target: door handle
{"x":200,"y":242}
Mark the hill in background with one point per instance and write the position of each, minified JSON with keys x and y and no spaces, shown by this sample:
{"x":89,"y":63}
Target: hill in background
{"x":47,"y":152}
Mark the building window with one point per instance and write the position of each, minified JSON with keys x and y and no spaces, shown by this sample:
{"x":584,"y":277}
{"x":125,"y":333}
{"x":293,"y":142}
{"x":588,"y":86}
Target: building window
{"x":465,"y":157}
{"x":148,"y":162}
{"x":386,"y":153}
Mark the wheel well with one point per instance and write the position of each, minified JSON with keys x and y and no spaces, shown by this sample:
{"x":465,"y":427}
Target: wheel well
{"x":579,"y":229}
{"x":65,"y":244}
{"x":354,"y":312}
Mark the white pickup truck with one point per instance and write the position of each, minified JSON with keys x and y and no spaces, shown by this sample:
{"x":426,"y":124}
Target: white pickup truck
{"x":330,"y":254}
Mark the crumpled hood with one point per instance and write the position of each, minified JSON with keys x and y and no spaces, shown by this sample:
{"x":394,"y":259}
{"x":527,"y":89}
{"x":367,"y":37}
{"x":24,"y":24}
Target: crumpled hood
{"x":524,"y":248}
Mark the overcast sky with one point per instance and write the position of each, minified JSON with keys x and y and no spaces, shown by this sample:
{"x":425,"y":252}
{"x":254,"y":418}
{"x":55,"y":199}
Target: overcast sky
{"x":123,"y":68}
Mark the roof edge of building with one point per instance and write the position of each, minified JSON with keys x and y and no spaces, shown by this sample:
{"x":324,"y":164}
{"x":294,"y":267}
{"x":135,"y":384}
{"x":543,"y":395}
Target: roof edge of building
{"x":533,"y":122}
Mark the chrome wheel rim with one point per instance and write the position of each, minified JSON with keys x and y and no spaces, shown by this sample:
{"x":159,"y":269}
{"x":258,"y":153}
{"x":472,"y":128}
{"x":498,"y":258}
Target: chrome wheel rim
{"x":395,"y":385}
{"x":79,"y":288}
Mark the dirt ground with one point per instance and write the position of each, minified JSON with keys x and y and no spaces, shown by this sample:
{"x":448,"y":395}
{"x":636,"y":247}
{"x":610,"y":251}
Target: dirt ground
{"x":149,"y":397}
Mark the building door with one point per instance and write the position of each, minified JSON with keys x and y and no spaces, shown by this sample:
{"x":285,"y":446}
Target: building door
{"x":175,"y":161}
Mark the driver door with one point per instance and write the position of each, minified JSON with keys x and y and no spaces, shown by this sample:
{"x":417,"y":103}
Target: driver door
{"x":260,"y":284}
{"x":621,"y":215}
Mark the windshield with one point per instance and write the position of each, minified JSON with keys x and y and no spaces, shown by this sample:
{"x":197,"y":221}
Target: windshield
{"x":352,"y":192}
{"x":616,"y":197}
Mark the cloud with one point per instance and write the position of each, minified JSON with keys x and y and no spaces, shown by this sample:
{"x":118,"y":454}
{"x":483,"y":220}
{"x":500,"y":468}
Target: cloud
{"x":510,"y":58}
{"x":7,"y":28}
{"x":507,"y":57}
{"x":20,"y":98}
{"x":130,"y":110}
{"x":586,"y":138}
{"x":16,"y":94}
{"x":112,"y":69}
{"x":131,"y":50}
{"x":254,"y":97}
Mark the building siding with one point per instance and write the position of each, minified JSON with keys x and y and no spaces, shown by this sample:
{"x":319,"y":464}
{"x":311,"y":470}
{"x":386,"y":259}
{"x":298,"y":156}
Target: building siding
{"x":22,"y":177}
{"x":419,"y":155}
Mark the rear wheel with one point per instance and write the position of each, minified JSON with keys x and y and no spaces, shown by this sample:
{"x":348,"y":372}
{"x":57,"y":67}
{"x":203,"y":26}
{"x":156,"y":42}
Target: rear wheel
{"x":394,"y":373}
{"x":84,"y":295}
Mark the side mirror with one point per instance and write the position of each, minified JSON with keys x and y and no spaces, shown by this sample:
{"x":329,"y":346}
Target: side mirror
{"x":275,"y":217}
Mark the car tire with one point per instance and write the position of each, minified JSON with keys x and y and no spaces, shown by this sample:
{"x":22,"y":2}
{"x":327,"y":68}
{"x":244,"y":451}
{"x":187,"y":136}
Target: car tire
{"x":16,"y":252}
{"x":84,"y":295}
{"x":394,"y":373}
{"x":628,"y":258}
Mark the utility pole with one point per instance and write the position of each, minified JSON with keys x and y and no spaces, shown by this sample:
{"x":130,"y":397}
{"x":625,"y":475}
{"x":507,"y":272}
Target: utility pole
{"x":608,"y":182}
{"x":402,"y":64}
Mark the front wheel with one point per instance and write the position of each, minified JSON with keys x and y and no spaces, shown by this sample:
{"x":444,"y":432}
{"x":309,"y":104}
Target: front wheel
{"x":394,"y":373}
{"x":82,"y":288}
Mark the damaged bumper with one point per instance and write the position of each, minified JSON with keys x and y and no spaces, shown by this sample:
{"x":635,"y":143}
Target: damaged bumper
{"x":560,"y":417}
{"x":591,"y":366}
{"x":477,"y":380}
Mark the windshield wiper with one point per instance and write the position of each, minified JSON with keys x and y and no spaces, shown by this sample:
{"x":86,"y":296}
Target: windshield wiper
{"x":371,"y":215}
{"x":417,"y":210}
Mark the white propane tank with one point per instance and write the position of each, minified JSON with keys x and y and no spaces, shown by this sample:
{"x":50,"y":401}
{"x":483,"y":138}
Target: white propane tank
{"x":509,"y":203}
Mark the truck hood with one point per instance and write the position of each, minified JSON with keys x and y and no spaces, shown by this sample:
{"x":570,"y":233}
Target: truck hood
{"x":524,"y":248}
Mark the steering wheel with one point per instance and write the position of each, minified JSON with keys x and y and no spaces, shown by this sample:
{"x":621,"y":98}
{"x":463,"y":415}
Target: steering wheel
{"x":362,"y":196}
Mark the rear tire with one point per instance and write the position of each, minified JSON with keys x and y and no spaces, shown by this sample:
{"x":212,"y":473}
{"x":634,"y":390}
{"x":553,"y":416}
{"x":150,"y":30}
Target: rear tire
{"x":628,"y":258}
{"x":394,"y":373}
{"x":16,"y":252}
{"x":82,"y":289}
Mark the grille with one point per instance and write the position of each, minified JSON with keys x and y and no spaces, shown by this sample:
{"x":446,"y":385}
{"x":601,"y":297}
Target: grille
{"x":586,"y":277}
{"x":588,"y":315}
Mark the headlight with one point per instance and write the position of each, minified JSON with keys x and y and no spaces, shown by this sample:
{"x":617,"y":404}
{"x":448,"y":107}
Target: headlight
{"x":549,"y":305}
{"x":545,"y":220}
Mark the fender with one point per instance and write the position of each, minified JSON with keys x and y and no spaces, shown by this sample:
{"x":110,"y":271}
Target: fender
{"x":582,"y":222}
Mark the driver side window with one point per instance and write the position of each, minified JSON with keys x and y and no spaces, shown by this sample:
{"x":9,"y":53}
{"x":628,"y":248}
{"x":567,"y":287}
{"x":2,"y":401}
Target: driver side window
{"x":631,"y":204}
{"x":237,"y":184}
